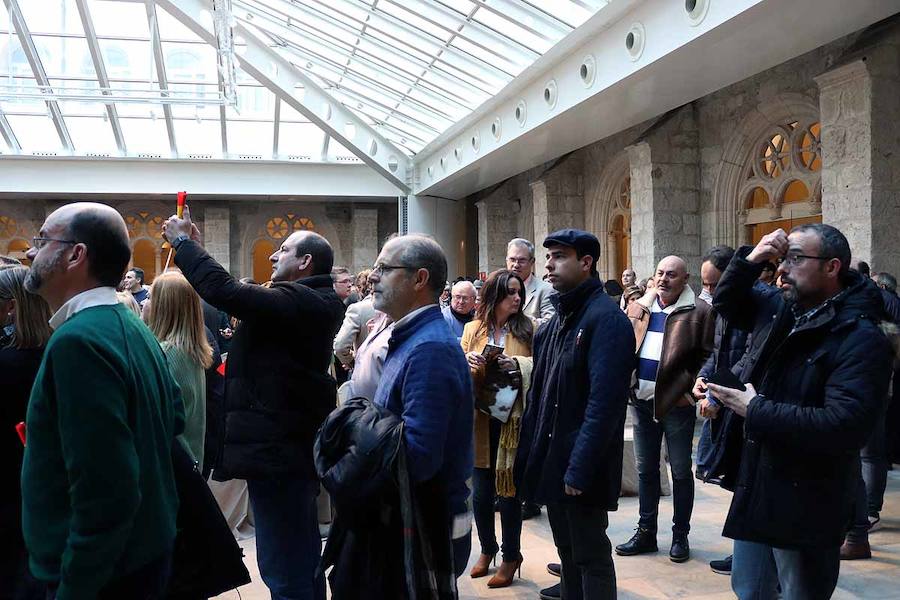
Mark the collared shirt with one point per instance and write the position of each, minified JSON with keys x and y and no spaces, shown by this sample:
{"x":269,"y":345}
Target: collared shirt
{"x":98,"y":296}
{"x":801,"y":318}
{"x":412,"y":315}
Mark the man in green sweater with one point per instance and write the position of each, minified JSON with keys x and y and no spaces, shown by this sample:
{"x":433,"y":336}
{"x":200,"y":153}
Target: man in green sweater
{"x":98,"y":490}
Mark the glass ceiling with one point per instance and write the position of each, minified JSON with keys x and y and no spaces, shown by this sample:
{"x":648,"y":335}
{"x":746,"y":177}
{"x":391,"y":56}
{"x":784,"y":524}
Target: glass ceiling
{"x":408,"y":68}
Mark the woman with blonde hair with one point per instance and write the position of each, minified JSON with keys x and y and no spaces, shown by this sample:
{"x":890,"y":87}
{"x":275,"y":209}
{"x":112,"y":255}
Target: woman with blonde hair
{"x":497,"y":344}
{"x":176,"y":319}
{"x":24,"y":331}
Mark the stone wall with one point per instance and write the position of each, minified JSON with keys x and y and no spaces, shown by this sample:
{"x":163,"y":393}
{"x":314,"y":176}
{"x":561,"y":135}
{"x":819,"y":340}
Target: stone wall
{"x":686,"y":170}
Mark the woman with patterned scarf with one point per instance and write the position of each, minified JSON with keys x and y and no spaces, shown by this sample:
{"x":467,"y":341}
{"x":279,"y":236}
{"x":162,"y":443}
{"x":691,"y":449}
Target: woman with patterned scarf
{"x":497,"y":344}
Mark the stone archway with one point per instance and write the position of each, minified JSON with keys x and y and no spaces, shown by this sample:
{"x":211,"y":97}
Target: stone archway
{"x":730,"y":191}
{"x":608,"y":216}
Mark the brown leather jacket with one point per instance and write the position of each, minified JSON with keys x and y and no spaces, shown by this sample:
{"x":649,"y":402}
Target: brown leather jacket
{"x":687,"y":343}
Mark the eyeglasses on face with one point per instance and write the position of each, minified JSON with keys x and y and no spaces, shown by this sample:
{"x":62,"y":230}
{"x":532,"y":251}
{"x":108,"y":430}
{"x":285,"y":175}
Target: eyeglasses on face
{"x":380,"y":269}
{"x":792,"y":260}
{"x":519,"y":261}
{"x":39,"y":242}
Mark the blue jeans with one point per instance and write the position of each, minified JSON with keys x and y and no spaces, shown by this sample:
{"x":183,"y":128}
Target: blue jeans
{"x":288,"y":546}
{"x":758,"y":569}
{"x":483,"y":494}
{"x":678,"y":426}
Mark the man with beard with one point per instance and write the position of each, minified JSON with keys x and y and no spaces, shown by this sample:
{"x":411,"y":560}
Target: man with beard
{"x":98,"y":489}
{"x":815,"y":375}
{"x":277,"y":393}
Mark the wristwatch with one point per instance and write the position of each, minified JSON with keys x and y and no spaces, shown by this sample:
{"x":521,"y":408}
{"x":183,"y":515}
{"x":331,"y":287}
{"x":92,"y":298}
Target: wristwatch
{"x":177,"y":241}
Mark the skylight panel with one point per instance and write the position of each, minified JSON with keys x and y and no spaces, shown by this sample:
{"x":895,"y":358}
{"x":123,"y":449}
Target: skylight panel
{"x":199,"y":138}
{"x":302,"y":141}
{"x":145,"y":135}
{"x":36,"y":133}
{"x":91,"y":135}
{"x":251,"y":139}
{"x":50,"y":16}
{"x":119,"y":18}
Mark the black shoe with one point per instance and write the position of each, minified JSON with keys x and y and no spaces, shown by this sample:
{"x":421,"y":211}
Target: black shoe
{"x":554,"y":569}
{"x":551,"y":593}
{"x":530,"y":510}
{"x":642,"y":542}
{"x":722,"y":567}
{"x":680,"y":550}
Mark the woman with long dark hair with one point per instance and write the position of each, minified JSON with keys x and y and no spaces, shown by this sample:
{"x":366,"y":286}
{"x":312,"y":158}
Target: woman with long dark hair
{"x":24,"y":331}
{"x":497,"y":344}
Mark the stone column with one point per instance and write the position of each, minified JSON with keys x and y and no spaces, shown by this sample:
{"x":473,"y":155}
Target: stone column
{"x":558,"y":203}
{"x":217,"y":234}
{"x":497,"y":224}
{"x":365,"y":238}
{"x":665,"y":195}
{"x":860,"y":116}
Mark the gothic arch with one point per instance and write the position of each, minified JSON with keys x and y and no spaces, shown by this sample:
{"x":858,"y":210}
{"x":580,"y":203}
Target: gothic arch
{"x":603,"y":209}
{"x":730,"y":189}
{"x":255,"y":229}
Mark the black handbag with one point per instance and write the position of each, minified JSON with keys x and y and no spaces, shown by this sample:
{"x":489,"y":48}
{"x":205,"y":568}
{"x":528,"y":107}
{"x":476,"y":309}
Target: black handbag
{"x":206,"y":560}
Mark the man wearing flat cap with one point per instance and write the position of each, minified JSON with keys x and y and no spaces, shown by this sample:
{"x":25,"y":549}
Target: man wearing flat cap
{"x":570,"y":447}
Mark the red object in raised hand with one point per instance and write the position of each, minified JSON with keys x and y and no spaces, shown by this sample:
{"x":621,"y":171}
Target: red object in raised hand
{"x":182,"y":197}
{"x":20,"y":429}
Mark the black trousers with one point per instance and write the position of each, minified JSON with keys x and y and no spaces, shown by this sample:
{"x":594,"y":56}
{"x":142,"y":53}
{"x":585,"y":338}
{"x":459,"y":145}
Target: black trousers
{"x":579,"y":532}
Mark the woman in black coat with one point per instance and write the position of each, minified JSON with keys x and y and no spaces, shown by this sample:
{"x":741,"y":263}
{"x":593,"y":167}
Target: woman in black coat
{"x":25,"y":332}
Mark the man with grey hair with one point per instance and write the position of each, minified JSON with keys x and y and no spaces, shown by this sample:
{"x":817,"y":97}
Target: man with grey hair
{"x":462,"y":307}
{"x":520,"y":260}
{"x":426,"y":381}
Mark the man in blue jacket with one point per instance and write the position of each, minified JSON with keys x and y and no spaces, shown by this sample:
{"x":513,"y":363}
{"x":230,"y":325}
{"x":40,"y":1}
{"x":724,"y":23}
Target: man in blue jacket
{"x":426,"y":379}
{"x":570,"y":446}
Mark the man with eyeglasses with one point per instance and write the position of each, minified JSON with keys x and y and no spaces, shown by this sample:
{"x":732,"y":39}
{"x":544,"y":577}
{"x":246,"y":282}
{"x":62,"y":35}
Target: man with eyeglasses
{"x":277,"y":393}
{"x":520,"y":260}
{"x":98,"y":487}
{"x":462,"y":307}
{"x":815,"y":374}
{"x":426,"y":382}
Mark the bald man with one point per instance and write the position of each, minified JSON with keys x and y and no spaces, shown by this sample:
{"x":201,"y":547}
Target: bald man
{"x":674,"y":337}
{"x":277,"y":393}
{"x":98,"y":488}
{"x":462,"y":307}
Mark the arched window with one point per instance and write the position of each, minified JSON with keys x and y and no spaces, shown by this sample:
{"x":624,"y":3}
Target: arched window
{"x":783,"y":186}
{"x":619,"y":242}
{"x":148,"y":250}
{"x":262,"y":267}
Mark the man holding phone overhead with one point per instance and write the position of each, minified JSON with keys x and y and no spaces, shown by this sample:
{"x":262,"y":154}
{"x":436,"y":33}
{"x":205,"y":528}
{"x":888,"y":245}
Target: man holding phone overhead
{"x":816,"y":371}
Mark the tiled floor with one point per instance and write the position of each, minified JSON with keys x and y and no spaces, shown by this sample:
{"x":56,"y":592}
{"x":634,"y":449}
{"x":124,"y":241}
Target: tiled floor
{"x":654,"y":576}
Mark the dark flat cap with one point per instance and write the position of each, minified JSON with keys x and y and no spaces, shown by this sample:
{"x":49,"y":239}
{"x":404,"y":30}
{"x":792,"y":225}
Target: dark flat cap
{"x":582,"y":241}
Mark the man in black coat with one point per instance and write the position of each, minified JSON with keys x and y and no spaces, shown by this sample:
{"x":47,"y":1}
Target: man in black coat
{"x":816,"y":372}
{"x":570,"y":446}
{"x":277,"y":394}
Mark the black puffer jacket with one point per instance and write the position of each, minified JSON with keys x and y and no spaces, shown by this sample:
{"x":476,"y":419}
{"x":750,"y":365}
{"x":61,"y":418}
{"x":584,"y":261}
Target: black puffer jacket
{"x":819,"y":387}
{"x":277,"y":387}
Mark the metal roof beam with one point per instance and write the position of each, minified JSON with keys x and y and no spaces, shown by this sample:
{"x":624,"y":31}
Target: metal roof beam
{"x":293,"y":25}
{"x":37,"y":67}
{"x":100,"y":68}
{"x":160,"y":61}
{"x":279,"y":75}
{"x":9,"y":136}
{"x":276,"y":127}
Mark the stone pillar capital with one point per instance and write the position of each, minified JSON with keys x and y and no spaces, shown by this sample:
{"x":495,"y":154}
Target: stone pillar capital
{"x":842,"y":75}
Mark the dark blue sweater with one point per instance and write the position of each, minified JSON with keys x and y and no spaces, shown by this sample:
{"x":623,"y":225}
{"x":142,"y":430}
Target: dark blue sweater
{"x":426,"y":382}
